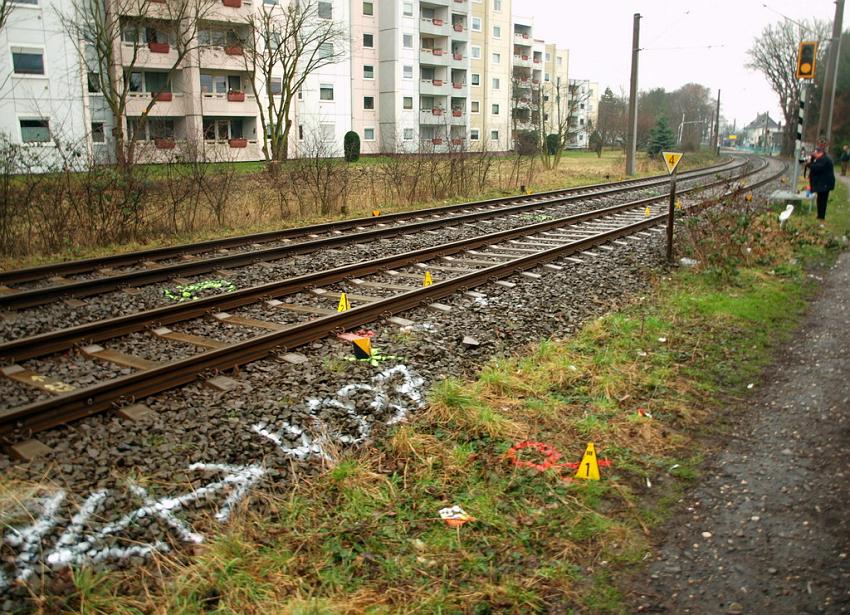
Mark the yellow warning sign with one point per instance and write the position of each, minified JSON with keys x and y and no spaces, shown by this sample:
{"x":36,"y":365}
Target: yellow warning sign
{"x":588,"y":469}
{"x":428,"y":280}
{"x":362,"y":347}
{"x":647,"y":212}
{"x":344,"y":304}
{"x":671,"y":159}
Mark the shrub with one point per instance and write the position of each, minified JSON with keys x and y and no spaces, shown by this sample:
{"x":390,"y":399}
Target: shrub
{"x":553,"y":141}
{"x":351,"y":146}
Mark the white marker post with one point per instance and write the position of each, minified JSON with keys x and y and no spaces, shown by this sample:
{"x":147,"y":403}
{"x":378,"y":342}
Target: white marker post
{"x":671,"y":159}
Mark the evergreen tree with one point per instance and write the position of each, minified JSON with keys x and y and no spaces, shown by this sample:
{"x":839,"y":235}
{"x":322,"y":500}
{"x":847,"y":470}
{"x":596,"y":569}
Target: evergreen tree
{"x":661,"y":137}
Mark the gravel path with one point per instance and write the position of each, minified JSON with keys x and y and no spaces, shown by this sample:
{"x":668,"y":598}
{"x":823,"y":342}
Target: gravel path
{"x":768,"y":530}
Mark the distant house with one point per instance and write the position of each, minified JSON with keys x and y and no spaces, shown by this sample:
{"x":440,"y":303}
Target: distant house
{"x":760,"y":133}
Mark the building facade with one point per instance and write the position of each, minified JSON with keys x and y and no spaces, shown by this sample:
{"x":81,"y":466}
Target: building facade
{"x":415,"y":75}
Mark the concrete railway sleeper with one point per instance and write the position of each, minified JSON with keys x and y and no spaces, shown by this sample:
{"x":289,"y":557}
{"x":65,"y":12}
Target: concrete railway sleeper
{"x":151,"y":272}
{"x":389,"y":294}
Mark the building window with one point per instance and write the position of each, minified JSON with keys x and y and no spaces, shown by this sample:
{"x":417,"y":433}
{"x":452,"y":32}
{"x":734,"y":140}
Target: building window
{"x":35,"y":131}
{"x":368,"y":41}
{"x":560,"y":61}
{"x":497,"y":32}
{"x":473,"y":134}
{"x":326,"y":50}
{"x":407,"y":102}
{"x":496,"y":83}
{"x":408,"y":134}
{"x":27,"y":61}
{"x":546,"y":77}
{"x":368,"y":102}
{"x":368,"y":71}
{"x":494,"y":135}
{"x":98,"y":135}
{"x":326,"y":92}
{"x":369,"y":134}
{"x":328,"y":132}
{"x":162,"y":128}
{"x":548,"y":56}
{"x":300,"y":94}
{"x":495,"y":109}
{"x":408,"y":9}
{"x":476,"y":24}
{"x":93,"y":83}
{"x":300,"y":132}
{"x":497,"y":5}
{"x":476,"y":52}
{"x":210,"y":84}
{"x":497,"y":58}
{"x":581,"y":106}
{"x":368,"y":8}
{"x":277,"y":85}
{"x":407,"y":41}
{"x":474,"y":106}
{"x":325,"y":10}
{"x":407,"y":72}
{"x":475,"y":79}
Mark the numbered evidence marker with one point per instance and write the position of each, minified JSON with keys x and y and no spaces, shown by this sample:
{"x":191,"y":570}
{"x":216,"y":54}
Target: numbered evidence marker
{"x":428,"y":280}
{"x":647,"y":212}
{"x":672,"y":159}
{"x":344,"y":304}
{"x":588,"y":469}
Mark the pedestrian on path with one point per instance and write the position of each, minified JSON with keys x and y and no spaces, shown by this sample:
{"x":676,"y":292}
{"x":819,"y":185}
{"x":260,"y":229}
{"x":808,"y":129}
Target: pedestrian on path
{"x":844,"y":159}
{"x":821,"y":179}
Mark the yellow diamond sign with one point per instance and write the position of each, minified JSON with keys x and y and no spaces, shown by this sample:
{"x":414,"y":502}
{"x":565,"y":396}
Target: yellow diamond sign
{"x":671,"y":159}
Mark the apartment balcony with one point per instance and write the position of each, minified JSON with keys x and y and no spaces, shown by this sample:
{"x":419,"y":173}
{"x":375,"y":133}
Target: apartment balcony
{"x":433,"y":117}
{"x":231,"y":11}
{"x":150,"y":55}
{"x":434,"y":57}
{"x":232,"y":104}
{"x":522,"y":60}
{"x":434,"y":87}
{"x":457,"y":118}
{"x":167,"y":104}
{"x":459,"y":32}
{"x":435,"y":27}
{"x":460,"y":6}
{"x":523,"y":83}
{"x":232,"y":150}
{"x":437,"y":2}
{"x":223,"y":58}
{"x":459,"y":89}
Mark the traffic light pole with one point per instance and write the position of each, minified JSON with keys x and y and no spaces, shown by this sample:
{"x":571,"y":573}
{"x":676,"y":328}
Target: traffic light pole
{"x":799,"y":141}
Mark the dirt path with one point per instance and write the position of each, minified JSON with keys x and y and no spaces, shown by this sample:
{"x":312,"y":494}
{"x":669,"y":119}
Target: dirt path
{"x":767,"y":530}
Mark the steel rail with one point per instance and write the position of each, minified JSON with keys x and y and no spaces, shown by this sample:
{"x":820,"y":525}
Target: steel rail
{"x":38,"y":272}
{"x":41,"y":415}
{"x":84,"y":288}
{"x":56,"y":341}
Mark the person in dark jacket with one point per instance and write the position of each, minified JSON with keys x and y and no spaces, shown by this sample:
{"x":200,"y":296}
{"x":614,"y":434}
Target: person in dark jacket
{"x":844,"y":159}
{"x":821,"y":179}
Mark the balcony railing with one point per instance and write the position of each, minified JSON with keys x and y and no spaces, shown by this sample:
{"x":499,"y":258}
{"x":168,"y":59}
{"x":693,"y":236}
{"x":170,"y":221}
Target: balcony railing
{"x":458,"y":27}
{"x":457,"y":56}
{"x":159,"y":47}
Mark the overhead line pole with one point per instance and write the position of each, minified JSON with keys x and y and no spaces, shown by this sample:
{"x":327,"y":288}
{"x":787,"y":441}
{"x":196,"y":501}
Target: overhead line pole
{"x":827,"y":101}
{"x":633,"y":90}
{"x":717,"y":126}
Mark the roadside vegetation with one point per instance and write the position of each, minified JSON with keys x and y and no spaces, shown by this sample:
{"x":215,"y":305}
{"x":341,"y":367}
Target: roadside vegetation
{"x":82,"y":212}
{"x":646,"y":385}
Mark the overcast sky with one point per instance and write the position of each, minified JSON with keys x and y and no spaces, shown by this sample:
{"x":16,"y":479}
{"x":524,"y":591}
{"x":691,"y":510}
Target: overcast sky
{"x":598,"y":34}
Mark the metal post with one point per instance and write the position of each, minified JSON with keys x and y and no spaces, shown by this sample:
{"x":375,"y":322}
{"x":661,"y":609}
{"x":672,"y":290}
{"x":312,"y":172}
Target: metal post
{"x":717,"y":127}
{"x":671,"y":217}
{"x":827,"y":101}
{"x":631,"y":139}
{"x":799,"y":141}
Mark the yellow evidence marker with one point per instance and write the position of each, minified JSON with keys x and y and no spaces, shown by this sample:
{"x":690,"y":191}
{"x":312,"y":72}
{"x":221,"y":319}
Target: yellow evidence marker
{"x":344,"y":304}
{"x":362,"y":347}
{"x":376,"y":212}
{"x":588,"y":469}
{"x":678,"y":204}
{"x":428,"y":280}
{"x":647,"y":212}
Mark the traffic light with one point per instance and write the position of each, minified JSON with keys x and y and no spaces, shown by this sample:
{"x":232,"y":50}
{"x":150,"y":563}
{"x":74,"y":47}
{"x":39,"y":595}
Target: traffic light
{"x":806,"y":60}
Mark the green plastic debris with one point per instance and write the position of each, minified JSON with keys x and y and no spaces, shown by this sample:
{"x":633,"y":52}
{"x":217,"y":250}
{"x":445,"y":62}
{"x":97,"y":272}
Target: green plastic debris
{"x":376,"y":359}
{"x":189,"y":292}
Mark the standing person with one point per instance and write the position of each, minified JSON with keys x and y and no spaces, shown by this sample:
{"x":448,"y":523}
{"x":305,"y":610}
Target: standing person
{"x":821,"y":178}
{"x":844,"y":159}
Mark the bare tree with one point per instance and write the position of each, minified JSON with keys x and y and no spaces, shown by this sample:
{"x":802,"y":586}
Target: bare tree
{"x":113,"y":37}
{"x":774,"y":53}
{"x":285,"y":45}
{"x":5,"y":10}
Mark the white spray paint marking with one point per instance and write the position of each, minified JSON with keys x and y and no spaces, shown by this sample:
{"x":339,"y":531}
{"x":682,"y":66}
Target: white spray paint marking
{"x":405,"y":397}
{"x":76,"y":546}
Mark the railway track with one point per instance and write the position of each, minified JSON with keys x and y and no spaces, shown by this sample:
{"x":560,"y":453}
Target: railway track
{"x":152,"y":266}
{"x":279,"y":309}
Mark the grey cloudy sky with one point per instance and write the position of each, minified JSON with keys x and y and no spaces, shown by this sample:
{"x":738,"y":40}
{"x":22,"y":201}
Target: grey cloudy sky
{"x":598,"y":34}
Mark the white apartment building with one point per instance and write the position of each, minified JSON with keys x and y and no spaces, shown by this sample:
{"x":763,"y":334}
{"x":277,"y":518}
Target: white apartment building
{"x":585,"y":107}
{"x":417,"y":75}
{"x":556,"y":87}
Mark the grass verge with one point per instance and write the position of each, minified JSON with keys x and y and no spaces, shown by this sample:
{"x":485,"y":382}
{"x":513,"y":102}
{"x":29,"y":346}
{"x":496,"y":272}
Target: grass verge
{"x":642,"y":384}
